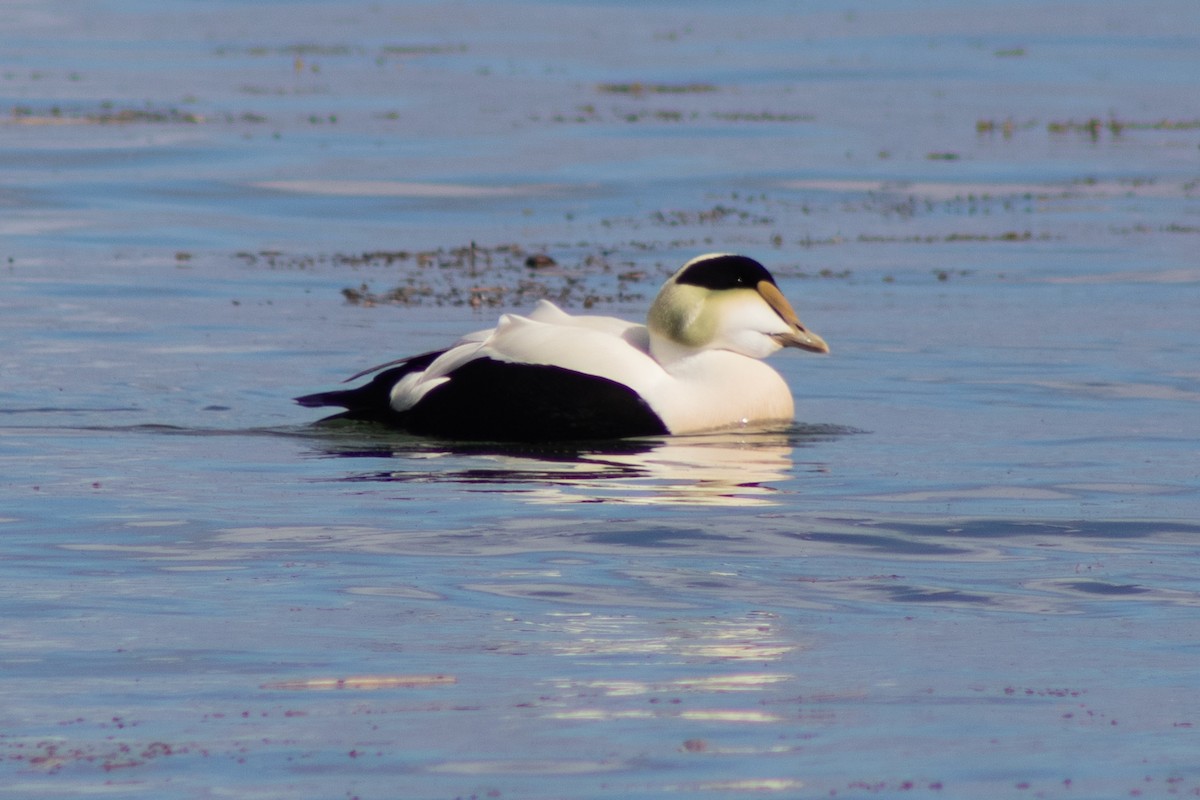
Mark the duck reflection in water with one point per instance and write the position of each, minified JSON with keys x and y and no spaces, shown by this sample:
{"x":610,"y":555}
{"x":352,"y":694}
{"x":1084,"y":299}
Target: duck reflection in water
{"x":720,"y":469}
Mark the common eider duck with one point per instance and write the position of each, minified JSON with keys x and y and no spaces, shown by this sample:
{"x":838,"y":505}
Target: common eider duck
{"x":550,"y":376}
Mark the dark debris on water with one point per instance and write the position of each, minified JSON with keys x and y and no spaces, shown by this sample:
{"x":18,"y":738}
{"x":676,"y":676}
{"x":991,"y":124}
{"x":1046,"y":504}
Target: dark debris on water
{"x":477,"y":276}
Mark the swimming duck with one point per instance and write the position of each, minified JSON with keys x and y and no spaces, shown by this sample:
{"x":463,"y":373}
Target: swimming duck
{"x":694,"y":366}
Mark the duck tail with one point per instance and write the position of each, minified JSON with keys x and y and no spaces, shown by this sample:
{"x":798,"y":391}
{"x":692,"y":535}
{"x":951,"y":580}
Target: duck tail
{"x":373,"y":400}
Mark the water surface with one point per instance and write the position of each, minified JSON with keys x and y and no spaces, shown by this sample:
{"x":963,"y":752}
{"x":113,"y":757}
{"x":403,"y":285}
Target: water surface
{"x":969,"y":569}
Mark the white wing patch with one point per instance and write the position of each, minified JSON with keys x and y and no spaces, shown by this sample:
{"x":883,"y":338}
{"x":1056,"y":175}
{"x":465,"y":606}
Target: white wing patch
{"x":604,"y":346}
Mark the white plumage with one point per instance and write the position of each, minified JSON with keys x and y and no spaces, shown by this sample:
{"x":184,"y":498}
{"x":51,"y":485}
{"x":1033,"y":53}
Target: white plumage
{"x":694,"y":366}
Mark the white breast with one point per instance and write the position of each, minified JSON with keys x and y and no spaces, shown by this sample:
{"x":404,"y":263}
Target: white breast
{"x":716,"y":389}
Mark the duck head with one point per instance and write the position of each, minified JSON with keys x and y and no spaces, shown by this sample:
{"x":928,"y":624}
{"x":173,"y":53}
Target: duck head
{"x":721,"y":301}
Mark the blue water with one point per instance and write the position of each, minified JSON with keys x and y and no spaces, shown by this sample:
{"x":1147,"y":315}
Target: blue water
{"x":970,"y":569}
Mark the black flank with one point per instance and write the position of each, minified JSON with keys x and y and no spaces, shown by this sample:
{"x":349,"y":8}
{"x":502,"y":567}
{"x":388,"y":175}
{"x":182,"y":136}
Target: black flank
{"x":489,"y":400}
